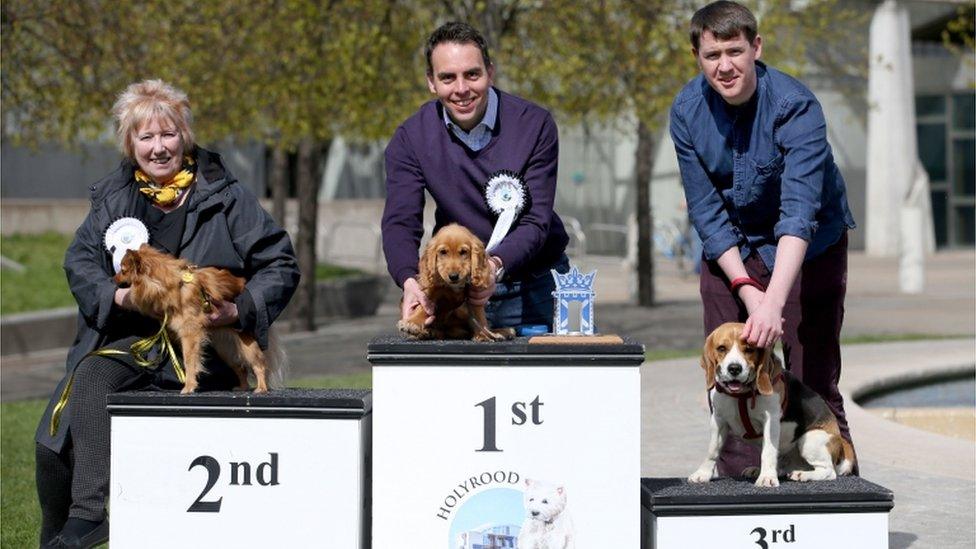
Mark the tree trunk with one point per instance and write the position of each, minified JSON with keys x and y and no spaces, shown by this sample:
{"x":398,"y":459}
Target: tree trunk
{"x":645,"y":221}
{"x":278,"y":182}
{"x":308,"y":179}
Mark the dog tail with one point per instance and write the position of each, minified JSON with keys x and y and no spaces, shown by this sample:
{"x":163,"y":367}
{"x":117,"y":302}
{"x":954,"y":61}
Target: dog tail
{"x":277,"y":360}
{"x":847,"y":460}
{"x":220,"y":283}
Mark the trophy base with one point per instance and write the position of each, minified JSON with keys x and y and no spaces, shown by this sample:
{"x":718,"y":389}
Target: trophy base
{"x":577,"y":339}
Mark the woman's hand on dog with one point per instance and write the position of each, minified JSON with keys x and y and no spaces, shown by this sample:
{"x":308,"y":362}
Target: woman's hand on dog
{"x":413,"y":297}
{"x":223,"y":313}
{"x":122,"y":299}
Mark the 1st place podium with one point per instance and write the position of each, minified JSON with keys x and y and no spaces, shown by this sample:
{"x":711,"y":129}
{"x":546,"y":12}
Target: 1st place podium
{"x":475,"y":444}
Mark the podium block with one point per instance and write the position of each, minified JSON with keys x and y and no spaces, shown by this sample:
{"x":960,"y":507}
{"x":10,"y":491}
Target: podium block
{"x":847,"y":513}
{"x":288,"y":468}
{"x":476,"y":444}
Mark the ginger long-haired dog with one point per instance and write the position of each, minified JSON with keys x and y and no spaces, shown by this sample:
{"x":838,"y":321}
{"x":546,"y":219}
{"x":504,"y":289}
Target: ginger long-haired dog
{"x":453,"y":260}
{"x":752,"y":397}
{"x":163,"y":286}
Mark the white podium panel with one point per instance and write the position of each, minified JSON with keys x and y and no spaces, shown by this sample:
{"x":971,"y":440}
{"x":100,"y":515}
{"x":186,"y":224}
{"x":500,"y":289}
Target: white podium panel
{"x":286,"y":469}
{"x":847,"y":513}
{"x":506,"y":445}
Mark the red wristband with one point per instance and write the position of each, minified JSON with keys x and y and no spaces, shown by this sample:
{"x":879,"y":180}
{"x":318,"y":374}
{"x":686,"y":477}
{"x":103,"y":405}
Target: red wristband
{"x":746,"y":281}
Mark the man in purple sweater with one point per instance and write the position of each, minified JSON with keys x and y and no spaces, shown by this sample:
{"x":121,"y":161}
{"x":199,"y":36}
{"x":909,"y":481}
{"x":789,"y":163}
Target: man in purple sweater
{"x":451,"y":148}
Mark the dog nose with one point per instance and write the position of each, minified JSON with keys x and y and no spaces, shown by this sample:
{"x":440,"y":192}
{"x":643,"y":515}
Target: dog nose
{"x":454,"y":277}
{"x":535,"y":513}
{"x":734,"y":369}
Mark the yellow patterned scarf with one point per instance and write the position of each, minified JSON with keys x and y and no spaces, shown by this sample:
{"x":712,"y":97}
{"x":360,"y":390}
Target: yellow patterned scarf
{"x":170,"y":191}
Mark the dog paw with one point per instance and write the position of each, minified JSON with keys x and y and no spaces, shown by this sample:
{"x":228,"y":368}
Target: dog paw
{"x":504,"y":334}
{"x":499,"y":334}
{"x":767,"y":481}
{"x":751,"y":472}
{"x":188,"y":390}
{"x":411,"y":330}
{"x":700,"y":476}
{"x":800,"y":475}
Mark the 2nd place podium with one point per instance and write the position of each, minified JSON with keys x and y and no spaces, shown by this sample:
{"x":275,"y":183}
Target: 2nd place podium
{"x":288,"y":468}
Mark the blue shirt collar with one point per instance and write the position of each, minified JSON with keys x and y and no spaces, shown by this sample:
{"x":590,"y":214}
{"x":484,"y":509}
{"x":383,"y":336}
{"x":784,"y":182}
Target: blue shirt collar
{"x":488,"y":120}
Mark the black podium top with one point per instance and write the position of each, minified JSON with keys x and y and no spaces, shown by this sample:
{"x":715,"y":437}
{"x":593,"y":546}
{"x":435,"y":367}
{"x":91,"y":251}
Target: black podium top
{"x":290,"y":403}
{"x":395,"y":349}
{"x":678,"y":497}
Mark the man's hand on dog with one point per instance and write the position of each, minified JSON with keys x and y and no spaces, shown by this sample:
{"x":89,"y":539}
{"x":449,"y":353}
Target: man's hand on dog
{"x":413,"y":297}
{"x":479,"y":297}
{"x":222,"y":313}
{"x":765,"y":324}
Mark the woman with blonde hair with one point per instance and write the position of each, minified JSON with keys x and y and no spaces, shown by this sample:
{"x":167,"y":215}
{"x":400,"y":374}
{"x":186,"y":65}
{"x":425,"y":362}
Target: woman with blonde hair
{"x":181,"y":199}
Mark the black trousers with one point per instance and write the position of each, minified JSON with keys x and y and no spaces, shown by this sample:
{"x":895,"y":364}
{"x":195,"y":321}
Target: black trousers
{"x":75,"y":481}
{"x":814,"y":312}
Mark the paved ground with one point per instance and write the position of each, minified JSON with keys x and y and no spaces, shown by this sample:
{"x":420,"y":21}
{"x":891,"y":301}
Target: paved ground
{"x":933,"y":476}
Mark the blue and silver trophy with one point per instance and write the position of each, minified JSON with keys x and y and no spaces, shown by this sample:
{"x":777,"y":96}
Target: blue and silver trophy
{"x":573,"y":287}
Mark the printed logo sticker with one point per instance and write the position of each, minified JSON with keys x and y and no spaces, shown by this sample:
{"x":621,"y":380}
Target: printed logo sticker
{"x":505,"y":517}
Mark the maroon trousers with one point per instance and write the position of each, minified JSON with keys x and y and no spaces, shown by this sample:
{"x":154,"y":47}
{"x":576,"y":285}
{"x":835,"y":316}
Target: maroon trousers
{"x":814,"y":312}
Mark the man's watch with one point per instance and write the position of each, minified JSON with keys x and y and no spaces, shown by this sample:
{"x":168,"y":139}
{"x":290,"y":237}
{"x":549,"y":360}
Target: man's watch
{"x":499,"y":267}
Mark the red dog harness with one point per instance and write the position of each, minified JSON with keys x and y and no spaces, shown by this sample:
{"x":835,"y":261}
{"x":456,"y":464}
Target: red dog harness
{"x":744,"y":410}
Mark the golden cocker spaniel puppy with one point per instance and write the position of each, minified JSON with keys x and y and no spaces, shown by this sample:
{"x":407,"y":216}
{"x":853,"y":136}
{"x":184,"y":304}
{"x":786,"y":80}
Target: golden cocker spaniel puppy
{"x":453,"y":260}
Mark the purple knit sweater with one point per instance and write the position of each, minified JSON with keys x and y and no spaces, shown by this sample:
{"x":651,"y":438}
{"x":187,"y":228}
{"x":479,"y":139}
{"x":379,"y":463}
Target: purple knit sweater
{"x":423,"y":154}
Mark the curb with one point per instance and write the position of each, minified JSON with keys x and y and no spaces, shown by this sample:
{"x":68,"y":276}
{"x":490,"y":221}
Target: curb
{"x":345,"y":297}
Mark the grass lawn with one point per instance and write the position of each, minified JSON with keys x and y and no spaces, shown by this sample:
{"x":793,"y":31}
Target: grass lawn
{"x":20,"y":515}
{"x":43,"y":284}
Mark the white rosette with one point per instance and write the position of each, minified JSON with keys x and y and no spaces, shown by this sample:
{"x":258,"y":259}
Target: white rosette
{"x":127,"y":233}
{"x":506,"y":195}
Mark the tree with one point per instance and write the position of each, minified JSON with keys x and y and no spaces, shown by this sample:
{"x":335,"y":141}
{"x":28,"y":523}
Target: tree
{"x":295,"y":73}
{"x":291,"y":73}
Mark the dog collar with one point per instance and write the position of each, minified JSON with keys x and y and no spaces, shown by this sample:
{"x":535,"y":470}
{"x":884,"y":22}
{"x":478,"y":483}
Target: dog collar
{"x":188,"y":277}
{"x":751,"y":432}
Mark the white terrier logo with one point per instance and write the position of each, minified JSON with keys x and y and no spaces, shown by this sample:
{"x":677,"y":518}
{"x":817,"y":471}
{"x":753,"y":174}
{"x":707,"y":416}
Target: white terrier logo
{"x":547,"y":524}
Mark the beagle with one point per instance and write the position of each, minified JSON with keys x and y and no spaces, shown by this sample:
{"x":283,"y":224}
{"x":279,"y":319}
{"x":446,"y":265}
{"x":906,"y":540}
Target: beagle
{"x":752,"y":397}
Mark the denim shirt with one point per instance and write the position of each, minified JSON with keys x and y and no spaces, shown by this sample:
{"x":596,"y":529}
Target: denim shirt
{"x":480,"y":135}
{"x":783,"y":178}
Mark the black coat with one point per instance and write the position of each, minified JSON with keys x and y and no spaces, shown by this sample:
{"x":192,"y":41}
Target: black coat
{"x":225,"y":227}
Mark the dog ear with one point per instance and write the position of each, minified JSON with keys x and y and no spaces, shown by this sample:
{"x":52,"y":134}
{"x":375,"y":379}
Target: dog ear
{"x":131,"y":259}
{"x":709,"y":362}
{"x":479,"y":264}
{"x":428,"y":266}
{"x":769,"y":368}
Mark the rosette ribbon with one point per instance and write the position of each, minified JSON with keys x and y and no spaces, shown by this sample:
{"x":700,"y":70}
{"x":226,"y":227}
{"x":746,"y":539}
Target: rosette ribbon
{"x":506,"y":196}
{"x":127,"y":233}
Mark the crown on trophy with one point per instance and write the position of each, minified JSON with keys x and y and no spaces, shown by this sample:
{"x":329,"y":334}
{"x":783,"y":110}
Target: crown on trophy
{"x":574,"y":281}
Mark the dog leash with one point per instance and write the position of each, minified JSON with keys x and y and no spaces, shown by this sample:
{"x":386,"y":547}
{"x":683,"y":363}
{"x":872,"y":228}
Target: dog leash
{"x":138,"y":351}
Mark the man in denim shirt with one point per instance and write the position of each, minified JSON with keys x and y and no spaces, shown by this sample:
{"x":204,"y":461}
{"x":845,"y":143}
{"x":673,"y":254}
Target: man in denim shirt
{"x":769,"y":203}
